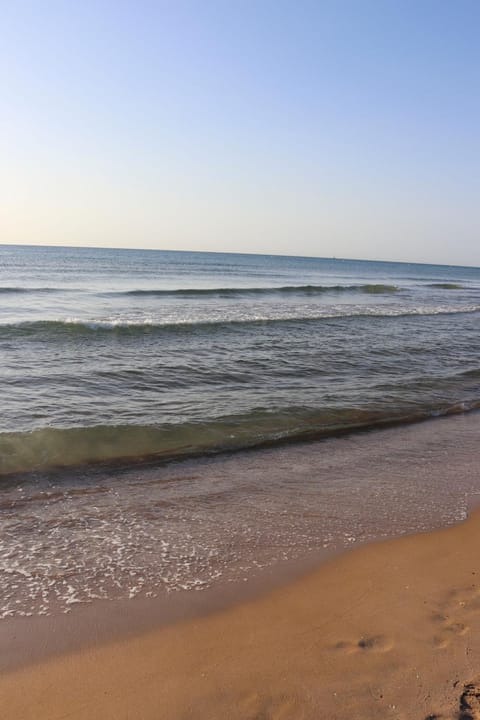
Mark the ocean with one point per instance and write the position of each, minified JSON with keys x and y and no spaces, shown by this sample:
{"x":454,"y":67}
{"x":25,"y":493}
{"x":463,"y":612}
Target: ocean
{"x":111,"y":354}
{"x":129,"y":376}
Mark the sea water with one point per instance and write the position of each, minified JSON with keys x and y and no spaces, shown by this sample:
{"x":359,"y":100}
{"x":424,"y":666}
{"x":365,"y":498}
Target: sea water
{"x":115,"y":362}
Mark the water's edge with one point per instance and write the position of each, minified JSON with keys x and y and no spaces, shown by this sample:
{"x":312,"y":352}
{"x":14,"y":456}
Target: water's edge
{"x":448,"y":501}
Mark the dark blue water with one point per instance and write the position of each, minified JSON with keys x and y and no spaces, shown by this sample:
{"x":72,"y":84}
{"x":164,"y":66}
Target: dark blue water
{"x":108,"y":354}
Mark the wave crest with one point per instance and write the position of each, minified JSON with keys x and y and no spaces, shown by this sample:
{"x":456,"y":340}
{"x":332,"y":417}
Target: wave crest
{"x":148,"y":325}
{"x":50,"y":448}
{"x":370,"y":289}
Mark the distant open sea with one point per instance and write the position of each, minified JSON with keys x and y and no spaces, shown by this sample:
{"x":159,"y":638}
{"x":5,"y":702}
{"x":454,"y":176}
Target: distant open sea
{"x":122,"y":356}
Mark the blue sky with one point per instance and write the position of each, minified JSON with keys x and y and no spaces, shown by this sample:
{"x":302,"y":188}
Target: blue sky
{"x":345,"y":129}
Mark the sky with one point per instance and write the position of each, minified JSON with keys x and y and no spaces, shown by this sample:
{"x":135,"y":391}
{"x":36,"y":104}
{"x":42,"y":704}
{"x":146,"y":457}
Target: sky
{"x":345,"y":128}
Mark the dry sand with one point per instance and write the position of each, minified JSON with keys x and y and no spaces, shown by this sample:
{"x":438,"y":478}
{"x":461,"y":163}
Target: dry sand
{"x":391,"y":630}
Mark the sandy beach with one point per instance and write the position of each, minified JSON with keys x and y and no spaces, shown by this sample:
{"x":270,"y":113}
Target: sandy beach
{"x":391,"y":630}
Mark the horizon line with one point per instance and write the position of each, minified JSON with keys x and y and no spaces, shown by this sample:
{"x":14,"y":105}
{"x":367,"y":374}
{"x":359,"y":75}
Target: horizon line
{"x":233,"y":252}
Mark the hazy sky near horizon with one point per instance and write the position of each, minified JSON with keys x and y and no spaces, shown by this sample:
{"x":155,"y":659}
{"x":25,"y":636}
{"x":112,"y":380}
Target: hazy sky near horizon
{"x":343,"y":128}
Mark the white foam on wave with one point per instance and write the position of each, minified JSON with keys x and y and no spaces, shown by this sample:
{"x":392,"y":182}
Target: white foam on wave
{"x":307,"y":313}
{"x":241,"y":315}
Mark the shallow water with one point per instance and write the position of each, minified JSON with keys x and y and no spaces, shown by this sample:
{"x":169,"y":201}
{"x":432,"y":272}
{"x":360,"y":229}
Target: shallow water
{"x":74,"y":538}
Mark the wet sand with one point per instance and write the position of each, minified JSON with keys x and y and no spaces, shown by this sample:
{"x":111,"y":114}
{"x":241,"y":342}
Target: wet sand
{"x":390,"y":630}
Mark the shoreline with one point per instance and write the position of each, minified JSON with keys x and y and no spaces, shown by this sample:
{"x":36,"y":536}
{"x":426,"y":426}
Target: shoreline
{"x":366,"y":489}
{"x":214,"y":522}
{"x":390,"y":629}
{"x":27,"y":641}
{"x":384,"y":485}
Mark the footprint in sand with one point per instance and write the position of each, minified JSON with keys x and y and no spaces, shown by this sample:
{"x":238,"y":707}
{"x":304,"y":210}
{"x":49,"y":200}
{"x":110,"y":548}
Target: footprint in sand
{"x":257,"y":707}
{"x":463,"y":600}
{"x":468,"y":706}
{"x":448,"y":633}
{"x":452,"y":615}
{"x":470,"y":702}
{"x":372,"y":643}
